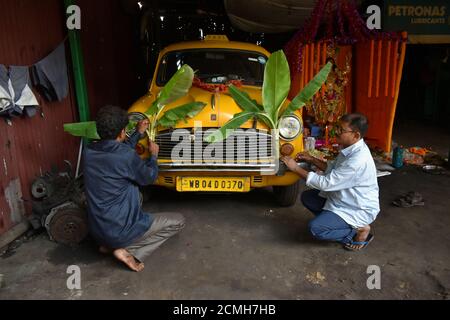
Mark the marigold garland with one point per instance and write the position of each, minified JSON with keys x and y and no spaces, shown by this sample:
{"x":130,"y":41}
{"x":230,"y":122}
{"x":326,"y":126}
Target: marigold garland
{"x":216,"y":88}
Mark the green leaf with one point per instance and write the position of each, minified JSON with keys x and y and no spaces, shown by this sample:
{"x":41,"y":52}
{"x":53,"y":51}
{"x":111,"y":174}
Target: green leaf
{"x":248,"y":104}
{"x":177,"y":87}
{"x":243,"y":100}
{"x":153,"y":109}
{"x":83,"y":129}
{"x":277,"y":83}
{"x":173,"y":116}
{"x":264,"y":117}
{"x":223,"y":133}
{"x":309,"y":91}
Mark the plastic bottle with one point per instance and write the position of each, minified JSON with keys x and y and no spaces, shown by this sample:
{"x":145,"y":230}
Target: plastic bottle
{"x":310,"y":144}
{"x":397,"y":157}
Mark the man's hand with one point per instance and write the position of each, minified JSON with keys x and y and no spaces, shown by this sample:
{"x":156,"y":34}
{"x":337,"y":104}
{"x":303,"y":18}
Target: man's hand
{"x":153,"y":148}
{"x":142,"y":126}
{"x":304,"y":157}
{"x":293,"y":166}
{"x":290,"y":163}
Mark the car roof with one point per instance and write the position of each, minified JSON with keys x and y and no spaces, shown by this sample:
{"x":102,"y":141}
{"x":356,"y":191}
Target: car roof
{"x":211,"y":44}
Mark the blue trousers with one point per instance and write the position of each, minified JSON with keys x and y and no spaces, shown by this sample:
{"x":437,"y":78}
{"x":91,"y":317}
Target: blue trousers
{"x":326,"y":225}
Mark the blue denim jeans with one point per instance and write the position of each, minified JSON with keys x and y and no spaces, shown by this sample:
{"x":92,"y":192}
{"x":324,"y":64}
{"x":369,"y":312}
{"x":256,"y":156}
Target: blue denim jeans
{"x":326,"y":225}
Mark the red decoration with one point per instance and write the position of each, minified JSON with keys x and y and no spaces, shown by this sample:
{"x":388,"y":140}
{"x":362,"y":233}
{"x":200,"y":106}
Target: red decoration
{"x":342,"y":25}
{"x":216,"y":88}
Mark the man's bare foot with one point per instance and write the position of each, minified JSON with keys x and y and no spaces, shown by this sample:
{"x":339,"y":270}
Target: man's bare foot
{"x":124,"y":256}
{"x":362,"y":235}
{"x":105,"y":250}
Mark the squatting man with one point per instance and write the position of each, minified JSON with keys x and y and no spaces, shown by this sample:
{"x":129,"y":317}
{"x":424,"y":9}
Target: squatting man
{"x":113,"y":172}
{"x":345,"y":198}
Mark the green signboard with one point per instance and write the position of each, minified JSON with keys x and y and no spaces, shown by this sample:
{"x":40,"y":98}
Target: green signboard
{"x":430,"y":17}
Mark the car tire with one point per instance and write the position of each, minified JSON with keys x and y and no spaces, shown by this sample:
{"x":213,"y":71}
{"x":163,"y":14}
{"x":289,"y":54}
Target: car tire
{"x":287,"y":196}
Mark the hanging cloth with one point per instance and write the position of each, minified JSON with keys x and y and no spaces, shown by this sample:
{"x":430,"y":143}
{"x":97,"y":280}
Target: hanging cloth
{"x":16,"y":96}
{"x":50,"y":75}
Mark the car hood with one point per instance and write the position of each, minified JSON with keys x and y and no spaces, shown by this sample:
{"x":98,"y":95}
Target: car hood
{"x":219,"y":109}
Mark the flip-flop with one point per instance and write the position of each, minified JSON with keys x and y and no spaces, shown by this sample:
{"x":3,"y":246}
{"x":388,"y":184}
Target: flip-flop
{"x":364,"y":244}
{"x":405,"y":203}
{"x":411,"y":199}
{"x":414,"y":197}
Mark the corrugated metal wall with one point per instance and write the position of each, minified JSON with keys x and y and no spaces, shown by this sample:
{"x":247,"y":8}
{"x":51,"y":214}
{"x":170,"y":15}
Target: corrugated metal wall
{"x":30,"y":30}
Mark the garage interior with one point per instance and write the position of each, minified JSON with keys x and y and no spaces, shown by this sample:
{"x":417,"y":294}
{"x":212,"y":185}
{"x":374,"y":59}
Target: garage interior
{"x":240,"y":246}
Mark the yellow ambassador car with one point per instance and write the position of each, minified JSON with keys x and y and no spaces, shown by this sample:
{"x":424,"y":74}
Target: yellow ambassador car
{"x":218,"y":61}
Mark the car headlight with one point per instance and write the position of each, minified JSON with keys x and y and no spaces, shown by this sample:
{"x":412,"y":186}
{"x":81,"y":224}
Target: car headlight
{"x":134,"y":118}
{"x":290,"y":127}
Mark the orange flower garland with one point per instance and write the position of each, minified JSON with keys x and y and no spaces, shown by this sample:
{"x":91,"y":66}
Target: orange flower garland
{"x":216,"y":88}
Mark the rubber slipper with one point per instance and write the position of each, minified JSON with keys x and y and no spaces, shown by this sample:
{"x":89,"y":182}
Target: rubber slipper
{"x":405,"y":203}
{"x":414,"y":197}
{"x":364,"y":244}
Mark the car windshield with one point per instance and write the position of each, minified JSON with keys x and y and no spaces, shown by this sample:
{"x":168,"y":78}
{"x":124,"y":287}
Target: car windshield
{"x":216,"y":66}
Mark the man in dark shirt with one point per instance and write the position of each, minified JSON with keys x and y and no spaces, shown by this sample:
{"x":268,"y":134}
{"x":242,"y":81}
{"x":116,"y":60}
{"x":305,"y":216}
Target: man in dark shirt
{"x":113,"y":173}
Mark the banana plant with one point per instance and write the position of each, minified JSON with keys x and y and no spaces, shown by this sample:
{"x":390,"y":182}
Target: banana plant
{"x":177,"y":87}
{"x":276,"y":87}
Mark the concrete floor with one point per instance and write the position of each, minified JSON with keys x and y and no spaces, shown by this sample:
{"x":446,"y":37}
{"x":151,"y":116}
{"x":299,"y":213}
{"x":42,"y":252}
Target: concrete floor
{"x":244,"y":247}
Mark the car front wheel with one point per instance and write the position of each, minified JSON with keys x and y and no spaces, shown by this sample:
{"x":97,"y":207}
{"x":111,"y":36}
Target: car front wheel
{"x":287,"y":196}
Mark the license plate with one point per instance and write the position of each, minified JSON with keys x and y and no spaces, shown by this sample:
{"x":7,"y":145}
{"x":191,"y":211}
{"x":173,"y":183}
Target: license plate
{"x":190,"y":184}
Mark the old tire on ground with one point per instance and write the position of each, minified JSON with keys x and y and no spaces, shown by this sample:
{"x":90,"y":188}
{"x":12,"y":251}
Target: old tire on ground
{"x":68,"y":226}
{"x":287,"y":196}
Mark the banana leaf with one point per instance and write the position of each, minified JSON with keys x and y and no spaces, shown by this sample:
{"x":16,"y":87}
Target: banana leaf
{"x":243,"y":100}
{"x":173,"y":116}
{"x":309,"y":91}
{"x":83,"y":129}
{"x":223,"y":133}
{"x":277,"y":83}
{"x":153,"y":109}
{"x":177,"y":87}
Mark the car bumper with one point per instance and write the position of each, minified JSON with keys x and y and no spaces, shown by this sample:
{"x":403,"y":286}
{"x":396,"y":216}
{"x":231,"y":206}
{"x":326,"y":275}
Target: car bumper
{"x":169,"y":179}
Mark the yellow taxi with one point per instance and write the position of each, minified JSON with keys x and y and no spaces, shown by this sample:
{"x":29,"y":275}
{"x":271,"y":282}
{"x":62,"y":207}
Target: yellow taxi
{"x":249,"y":156}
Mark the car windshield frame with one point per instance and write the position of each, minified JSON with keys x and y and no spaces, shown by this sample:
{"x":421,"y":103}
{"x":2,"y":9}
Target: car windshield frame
{"x":258,"y":83}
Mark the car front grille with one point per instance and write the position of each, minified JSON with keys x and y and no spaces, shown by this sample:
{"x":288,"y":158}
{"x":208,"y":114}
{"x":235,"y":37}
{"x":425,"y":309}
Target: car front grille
{"x":185,"y":150}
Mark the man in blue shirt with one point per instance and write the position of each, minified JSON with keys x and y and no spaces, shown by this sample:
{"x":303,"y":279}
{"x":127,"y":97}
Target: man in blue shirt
{"x":113,"y":173}
{"x":345,"y":199}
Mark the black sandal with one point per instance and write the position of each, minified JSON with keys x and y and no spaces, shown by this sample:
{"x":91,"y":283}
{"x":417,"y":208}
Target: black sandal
{"x":411,"y":199}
